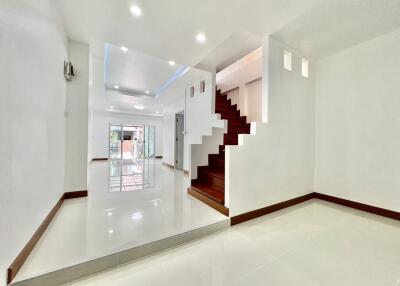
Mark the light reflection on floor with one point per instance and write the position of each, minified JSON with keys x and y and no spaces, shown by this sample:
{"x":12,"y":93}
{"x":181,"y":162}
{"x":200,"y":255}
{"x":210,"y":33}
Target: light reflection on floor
{"x":131,"y":175}
{"x":109,"y":221}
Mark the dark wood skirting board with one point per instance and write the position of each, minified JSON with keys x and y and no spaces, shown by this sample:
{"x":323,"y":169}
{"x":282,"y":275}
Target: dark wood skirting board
{"x":99,"y":159}
{"x":168,"y":165}
{"x":343,"y":202}
{"x":208,"y":201}
{"x":359,"y":206}
{"x":74,"y":195}
{"x":159,"y":157}
{"x":23,"y":255}
{"x":270,"y":209}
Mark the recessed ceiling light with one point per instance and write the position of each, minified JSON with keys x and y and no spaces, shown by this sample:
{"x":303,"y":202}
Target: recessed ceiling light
{"x":139,"y":106}
{"x":116,"y":86}
{"x":158,"y":112}
{"x":201,"y":38}
{"x":111,"y":231}
{"x":124,"y":49}
{"x":111,"y":107}
{"x":171,"y":63}
{"x":147,"y":92}
{"x":137,"y":216}
{"x":136,"y":11}
{"x":109,"y":213}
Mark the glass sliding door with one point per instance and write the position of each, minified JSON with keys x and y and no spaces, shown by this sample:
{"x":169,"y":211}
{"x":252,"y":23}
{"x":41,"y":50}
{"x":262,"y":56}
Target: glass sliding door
{"x":115,"y":151}
{"x":128,"y":135}
{"x":131,"y":141}
{"x":149,"y":135}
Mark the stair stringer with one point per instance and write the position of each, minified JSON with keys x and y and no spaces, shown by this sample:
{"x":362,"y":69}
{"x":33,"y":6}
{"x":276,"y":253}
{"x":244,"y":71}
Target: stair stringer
{"x":209,"y":144}
{"x":243,"y":139}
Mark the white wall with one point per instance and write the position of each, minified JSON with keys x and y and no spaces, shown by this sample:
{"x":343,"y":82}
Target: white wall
{"x":101,"y":120}
{"x":277,"y":162}
{"x":76,"y":138}
{"x":199,"y":115}
{"x":169,"y":133}
{"x":358,"y":123}
{"x":32,"y":126}
{"x":243,"y":84}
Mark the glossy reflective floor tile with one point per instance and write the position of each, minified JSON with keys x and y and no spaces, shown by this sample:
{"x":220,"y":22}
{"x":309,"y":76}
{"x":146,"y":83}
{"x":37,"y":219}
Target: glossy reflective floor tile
{"x":314,"y":243}
{"x":130,"y":203}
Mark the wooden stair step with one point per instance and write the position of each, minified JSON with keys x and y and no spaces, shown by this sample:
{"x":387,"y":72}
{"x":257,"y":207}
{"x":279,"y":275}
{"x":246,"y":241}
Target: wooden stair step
{"x":208,"y":191}
{"x":227,"y":112}
{"x":231,"y":141}
{"x":215,"y":172}
{"x":235,"y":121}
{"x":237,"y":118}
{"x":213,"y":177}
{"x":216,"y":160}
{"x":239,"y":129}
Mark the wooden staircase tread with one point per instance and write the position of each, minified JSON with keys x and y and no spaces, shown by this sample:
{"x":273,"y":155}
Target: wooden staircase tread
{"x":210,"y":184}
{"x":206,"y":190}
{"x":219,"y":173}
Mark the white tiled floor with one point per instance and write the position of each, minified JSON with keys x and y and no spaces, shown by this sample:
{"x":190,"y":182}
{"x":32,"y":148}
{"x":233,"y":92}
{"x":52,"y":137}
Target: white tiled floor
{"x":314,"y":243}
{"x":111,"y":220}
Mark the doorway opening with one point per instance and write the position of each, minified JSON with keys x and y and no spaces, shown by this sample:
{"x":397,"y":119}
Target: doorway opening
{"x":131,"y":141}
{"x":179,"y":139}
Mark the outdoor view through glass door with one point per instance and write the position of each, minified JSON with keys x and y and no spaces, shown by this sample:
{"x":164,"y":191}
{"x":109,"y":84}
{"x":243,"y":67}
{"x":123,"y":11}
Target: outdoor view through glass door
{"x":131,"y":141}
{"x":131,"y":147}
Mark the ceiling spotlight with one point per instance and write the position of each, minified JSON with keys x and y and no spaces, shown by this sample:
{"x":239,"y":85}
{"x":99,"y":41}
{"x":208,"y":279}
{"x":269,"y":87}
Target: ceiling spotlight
{"x":171,"y":63}
{"x":137,"y":216}
{"x":136,"y":11}
{"x":111,"y":231}
{"x":158,"y":112}
{"x":139,"y":106}
{"x":147,"y":92}
{"x":201,"y":38}
{"x":124,"y":49}
{"x":111,"y":107}
{"x":116,"y":86}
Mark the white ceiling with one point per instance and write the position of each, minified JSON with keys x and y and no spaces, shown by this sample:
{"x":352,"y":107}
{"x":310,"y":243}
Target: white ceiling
{"x":135,"y":73}
{"x":167,"y":29}
{"x":338,"y":24}
{"x":236,"y":46}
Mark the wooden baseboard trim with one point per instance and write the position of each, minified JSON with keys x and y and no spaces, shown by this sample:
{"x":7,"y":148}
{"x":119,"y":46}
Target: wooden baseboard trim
{"x":359,"y":206}
{"x":222,"y":209}
{"x":23,"y":255}
{"x":168,"y":165}
{"x":343,"y":202}
{"x":159,"y":157}
{"x":270,"y":209}
{"x":99,"y":159}
{"x":76,"y":194}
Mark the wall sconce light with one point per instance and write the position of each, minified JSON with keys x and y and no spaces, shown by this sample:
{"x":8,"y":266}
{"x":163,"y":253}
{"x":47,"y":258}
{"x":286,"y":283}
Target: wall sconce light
{"x":68,"y":71}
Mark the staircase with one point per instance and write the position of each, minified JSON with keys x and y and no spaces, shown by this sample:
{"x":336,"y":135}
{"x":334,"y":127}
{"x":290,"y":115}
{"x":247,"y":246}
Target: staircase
{"x":209,"y":186}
